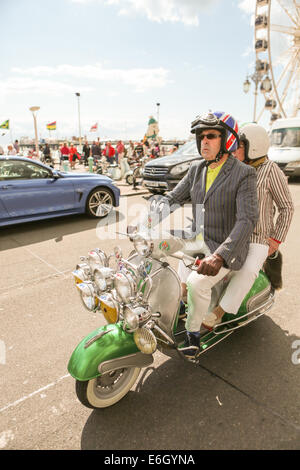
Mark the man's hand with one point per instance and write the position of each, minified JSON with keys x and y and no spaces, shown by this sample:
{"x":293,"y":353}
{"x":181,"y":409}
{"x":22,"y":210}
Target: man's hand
{"x":211,"y":265}
{"x":273,"y":246}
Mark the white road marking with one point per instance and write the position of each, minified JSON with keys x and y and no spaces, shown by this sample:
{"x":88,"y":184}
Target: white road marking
{"x":43,"y":261}
{"x":17,"y":402}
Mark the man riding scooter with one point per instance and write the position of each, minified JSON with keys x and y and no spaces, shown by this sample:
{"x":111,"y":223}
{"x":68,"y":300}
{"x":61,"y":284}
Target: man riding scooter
{"x":225,"y":190}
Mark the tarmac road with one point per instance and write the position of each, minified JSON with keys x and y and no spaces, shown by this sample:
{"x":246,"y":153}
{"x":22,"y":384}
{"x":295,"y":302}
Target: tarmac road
{"x":244,"y":395}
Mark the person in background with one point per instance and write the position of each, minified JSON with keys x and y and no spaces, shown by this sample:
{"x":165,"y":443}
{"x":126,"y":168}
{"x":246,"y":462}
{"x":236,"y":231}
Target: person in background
{"x":139,"y":150}
{"x":174,"y":148}
{"x":1,"y":150}
{"x":109,"y":153}
{"x":96,"y":151}
{"x":16,"y":146}
{"x":64,"y":153}
{"x":47,"y":154}
{"x":86,"y":152}
{"x":156,"y":150}
{"x":73,"y":156}
{"x":268,"y":234}
{"x":120,"y":149}
{"x":11,"y":150}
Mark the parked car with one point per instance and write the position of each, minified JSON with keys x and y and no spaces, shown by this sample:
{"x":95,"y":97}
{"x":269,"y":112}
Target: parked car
{"x":30,"y":190}
{"x":163,"y":174}
{"x":285,"y":145}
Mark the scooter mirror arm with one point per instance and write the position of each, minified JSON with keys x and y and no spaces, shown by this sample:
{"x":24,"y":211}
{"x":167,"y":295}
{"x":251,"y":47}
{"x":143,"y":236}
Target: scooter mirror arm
{"x":130,"y":265}
{"x":195,"y":262}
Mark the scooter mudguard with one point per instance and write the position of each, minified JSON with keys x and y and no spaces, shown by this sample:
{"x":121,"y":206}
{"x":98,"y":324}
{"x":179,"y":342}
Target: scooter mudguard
{"x":105,"y":343}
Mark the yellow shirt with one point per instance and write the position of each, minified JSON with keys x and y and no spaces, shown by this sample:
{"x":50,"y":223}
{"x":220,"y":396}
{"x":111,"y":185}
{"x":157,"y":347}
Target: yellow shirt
{"x":211,"y":175}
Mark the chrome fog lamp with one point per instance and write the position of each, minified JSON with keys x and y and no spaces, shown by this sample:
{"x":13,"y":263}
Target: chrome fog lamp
{"x":97,"y":259}
{"x":100,"y":282}
{"x":143,"y":314}
{"x":131,"y":319}
{"x":87,"y":294}
{"x":103,"y":278}
{"x":142,"y":246}
{"x":124,"y":285}
{"x":81,"y":273}
{"x":145,"y":340}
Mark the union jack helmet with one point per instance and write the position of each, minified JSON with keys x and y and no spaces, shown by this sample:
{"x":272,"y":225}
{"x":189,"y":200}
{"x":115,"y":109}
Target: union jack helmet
{"x":224,"y":122}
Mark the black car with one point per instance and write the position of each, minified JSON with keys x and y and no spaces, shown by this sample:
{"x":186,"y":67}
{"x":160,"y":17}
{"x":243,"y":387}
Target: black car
{"x":163,"y":174}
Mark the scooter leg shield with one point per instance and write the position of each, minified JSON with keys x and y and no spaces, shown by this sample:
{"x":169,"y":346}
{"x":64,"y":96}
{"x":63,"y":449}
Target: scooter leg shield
{"x":104,"y":344}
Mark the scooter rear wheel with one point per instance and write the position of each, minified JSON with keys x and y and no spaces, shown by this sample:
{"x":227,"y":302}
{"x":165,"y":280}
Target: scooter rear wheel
{"x":107,"y":389}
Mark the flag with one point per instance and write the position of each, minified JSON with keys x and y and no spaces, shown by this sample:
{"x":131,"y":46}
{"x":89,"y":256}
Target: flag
{"x":5,"y":125}
{"x":51,"y":126}
{"x":94,"y":127}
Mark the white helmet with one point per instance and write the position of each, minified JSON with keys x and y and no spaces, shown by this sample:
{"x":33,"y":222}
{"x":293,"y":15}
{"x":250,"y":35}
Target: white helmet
{"x":256,"y":140}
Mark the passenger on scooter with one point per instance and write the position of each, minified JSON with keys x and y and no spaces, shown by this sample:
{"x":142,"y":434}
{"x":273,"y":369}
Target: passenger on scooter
{"x":225,"y":190}
{"x":272,"y":189}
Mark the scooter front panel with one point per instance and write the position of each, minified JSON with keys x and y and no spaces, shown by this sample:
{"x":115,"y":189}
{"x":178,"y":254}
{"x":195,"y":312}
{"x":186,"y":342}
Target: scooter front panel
{"x":165,"y":293}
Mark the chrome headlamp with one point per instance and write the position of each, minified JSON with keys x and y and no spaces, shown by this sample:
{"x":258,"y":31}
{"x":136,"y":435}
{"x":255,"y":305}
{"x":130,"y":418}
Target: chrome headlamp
{"x":142,"y":246}
{"x":125,"y":285}
{"x":97,"y":259}
{"x":131,"y":319}
{"x":135,"y":317}
{"x":81,"y":273}
{"x":145,"y":340}
{"x":109,"y":308}
{"x":87,"y":294}
{"x":103,"y":278}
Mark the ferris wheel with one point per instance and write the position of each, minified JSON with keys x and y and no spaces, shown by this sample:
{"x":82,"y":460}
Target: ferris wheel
{"x":277,"y":51}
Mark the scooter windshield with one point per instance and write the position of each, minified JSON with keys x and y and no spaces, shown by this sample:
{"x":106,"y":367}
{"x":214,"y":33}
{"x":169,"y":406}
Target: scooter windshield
{"x":162,"y":231}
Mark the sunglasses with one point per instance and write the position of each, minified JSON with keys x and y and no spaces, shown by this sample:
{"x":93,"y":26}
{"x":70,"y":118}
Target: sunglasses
{"x":209,"y":136}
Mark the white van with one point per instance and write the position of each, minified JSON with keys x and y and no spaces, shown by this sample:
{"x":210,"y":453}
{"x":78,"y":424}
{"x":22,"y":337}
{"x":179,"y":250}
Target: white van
{"x":285,"y":145}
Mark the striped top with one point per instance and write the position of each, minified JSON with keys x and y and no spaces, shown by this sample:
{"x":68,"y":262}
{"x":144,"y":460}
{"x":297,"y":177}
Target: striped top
{"x":272,"y":190}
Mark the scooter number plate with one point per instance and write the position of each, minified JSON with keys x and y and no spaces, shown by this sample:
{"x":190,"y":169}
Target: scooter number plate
{"x":153,"y":184}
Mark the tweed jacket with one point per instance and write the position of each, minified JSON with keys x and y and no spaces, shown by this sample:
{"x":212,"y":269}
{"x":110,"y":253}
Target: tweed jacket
{"x":230,"y":208}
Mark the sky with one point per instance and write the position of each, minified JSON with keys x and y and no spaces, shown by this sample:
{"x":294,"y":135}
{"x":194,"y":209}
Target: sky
{"x":123,"y":57}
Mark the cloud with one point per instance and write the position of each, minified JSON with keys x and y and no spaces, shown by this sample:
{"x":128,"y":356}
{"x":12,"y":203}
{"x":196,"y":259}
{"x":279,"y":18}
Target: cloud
{"x":140,"y":79}
{"x":248,"y":6}
{"x":174,"y":11}
{"x":32,"y":85}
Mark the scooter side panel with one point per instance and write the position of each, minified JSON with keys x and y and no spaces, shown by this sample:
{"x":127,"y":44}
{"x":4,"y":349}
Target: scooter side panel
{"x":84,"y":362}
{"x":261,"y":283}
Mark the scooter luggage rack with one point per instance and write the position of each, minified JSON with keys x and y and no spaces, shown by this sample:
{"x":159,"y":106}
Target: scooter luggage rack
{"x":265,"y":307}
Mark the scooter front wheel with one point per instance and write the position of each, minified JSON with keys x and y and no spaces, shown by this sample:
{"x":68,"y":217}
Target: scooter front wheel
{"x":107,"y":389}
{"x":129,"y":179}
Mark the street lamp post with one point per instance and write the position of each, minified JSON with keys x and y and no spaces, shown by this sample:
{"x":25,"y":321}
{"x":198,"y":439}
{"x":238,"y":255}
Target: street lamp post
{"x":158,"y":105}
{"x":78,"y":96}
{"x":33,"y":109}
{"x":257,"y":78}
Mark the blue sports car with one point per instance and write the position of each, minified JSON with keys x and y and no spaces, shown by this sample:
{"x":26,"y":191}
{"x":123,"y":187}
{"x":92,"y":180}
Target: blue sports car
{"x":31,"y":191}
